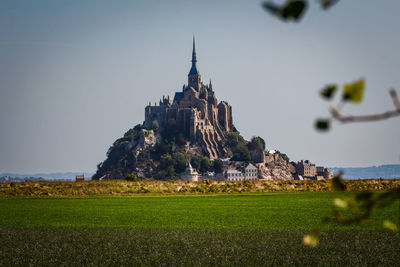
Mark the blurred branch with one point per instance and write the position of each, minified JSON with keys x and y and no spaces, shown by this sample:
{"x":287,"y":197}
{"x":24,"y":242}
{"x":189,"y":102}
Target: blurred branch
{"x":293,"y":10}
{"x":361,"y":205}
{"x":372,"y":117}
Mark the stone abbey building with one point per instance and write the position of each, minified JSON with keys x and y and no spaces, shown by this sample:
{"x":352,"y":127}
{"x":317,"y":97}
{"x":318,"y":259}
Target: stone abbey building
{"x":196,"y":111}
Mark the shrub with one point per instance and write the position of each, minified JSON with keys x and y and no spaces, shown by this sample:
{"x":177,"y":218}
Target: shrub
{"x":131,"y":177}
{"x":205,"y":164}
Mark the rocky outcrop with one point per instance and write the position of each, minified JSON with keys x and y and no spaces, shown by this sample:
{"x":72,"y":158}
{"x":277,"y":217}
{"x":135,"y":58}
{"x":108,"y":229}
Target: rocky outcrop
{"x":193,"y":117}
{"x":147,"y":138}
{"x":275,"y":168}
{"x":129,"y":154}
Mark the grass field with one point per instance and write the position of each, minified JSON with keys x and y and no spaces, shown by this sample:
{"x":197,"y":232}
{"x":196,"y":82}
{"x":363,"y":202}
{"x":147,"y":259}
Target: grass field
{"x":273,"y":211}
{"x":85,"y":246}
{"x":238,"y":229}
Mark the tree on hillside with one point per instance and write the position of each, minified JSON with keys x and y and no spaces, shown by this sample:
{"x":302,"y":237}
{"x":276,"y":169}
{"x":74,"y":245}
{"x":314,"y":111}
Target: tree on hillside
{"x":218,"y":166}
{"x":195,"y":161}
{"x":205,"y":164}
{"x":180,"y":160}
{"x":256,"y":143}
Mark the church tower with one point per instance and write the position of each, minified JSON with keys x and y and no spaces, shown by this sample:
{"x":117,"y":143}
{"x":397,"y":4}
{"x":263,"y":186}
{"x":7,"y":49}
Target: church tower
{"x":194,"y":78}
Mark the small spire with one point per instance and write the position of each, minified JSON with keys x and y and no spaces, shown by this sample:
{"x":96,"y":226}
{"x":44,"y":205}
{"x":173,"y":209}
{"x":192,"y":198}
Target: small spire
{"x":210,"y":85}
{"x":194,"y":59}
{"x":194,"y":49}
{"x":193,"y":69}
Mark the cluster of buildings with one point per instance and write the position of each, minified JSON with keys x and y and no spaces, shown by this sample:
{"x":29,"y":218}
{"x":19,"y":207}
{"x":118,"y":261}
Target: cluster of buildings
{"x":306,"y":170}
{"x":249,"y":173}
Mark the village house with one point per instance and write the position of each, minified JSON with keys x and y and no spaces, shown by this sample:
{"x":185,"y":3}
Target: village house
{"x":323,"y":173}
{"x":190,"y":174}
{"x":306,"y":169}
{"x":250,"y":173}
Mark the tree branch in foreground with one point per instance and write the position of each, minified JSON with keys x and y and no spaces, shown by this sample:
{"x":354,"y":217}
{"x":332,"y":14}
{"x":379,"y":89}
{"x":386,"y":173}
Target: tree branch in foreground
{"x":366,"y":118}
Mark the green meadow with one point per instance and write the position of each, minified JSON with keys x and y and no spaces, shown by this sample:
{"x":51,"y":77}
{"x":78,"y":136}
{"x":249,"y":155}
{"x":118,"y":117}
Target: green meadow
{"x":275,"y":211}
{"x":191,"y":230}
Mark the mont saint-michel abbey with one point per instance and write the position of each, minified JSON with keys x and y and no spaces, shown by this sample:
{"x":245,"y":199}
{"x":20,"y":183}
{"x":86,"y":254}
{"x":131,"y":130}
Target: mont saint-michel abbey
{"x":196,"y":112}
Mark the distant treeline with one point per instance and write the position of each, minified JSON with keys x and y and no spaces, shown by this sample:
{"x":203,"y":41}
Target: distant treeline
{"x":58,"y":176}
{"x":6,"y":179}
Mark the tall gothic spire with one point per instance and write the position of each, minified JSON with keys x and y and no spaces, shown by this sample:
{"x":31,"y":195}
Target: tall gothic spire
{"x":193,"y":69}
{"x":194,"y":51}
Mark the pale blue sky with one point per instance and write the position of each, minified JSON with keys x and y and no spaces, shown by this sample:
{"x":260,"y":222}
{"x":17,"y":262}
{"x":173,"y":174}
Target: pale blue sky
{"x":75,"y":75}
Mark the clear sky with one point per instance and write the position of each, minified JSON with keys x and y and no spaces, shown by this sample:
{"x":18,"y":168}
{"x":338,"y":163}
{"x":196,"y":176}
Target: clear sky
{"x":75,"y":75}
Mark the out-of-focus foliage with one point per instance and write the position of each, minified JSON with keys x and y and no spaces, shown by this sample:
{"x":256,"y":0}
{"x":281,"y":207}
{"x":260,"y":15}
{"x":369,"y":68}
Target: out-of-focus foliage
{"x":354,"y":91}
{"x":293,"y":9}
{"x":390,"y":225}
{"x":358,"y":209}
{"x":329,"y":91}
{"x":325,"y":4}
{"x":322,"y":124}
{"x":311,"y":239}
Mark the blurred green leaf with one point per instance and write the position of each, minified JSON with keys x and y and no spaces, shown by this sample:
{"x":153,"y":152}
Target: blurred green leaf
{"x":311,"y":240}
{"x":322,"y":124}
{"x":389,"y":225}
{"x":337,"y":183}
{"x":290,"y":10}
{"x":340,"y":203}
{"x":329,"y":91}
{"x":354,"y":91}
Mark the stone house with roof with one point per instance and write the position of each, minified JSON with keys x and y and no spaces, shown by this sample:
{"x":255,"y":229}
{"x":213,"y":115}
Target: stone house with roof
{"x":190,"y":174}
{"x":306,"y":168}
{"x":249,"y":173}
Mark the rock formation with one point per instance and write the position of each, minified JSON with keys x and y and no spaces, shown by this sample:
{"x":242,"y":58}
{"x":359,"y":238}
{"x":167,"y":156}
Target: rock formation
{"x":276,"y":168}
{"x":191,"y":126}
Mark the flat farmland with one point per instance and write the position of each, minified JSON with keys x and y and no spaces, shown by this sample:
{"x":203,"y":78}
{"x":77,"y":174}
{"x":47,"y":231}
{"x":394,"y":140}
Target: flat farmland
{"x":275,"y":211}
{"x":190,"y":230}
